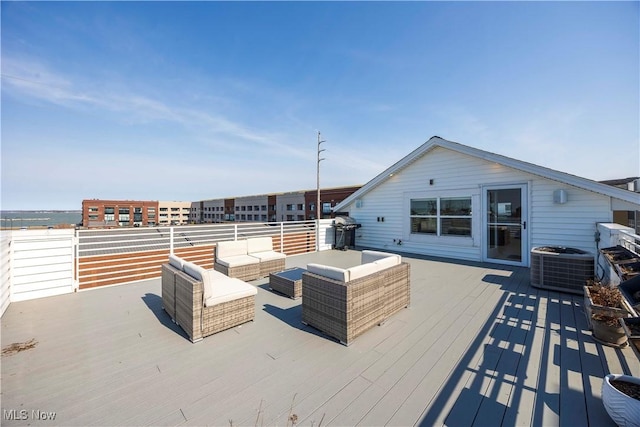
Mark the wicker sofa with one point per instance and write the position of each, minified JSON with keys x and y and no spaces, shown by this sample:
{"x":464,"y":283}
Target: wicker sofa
{"x":203,"y":302}
{"x":248,"y":259}
{"x":345,"y":303}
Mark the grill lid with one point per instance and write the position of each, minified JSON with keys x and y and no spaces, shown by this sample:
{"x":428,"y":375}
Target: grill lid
{"x":345,"y":222}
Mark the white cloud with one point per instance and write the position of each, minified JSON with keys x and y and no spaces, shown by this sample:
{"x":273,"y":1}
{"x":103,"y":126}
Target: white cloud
{"x":33,"y":80}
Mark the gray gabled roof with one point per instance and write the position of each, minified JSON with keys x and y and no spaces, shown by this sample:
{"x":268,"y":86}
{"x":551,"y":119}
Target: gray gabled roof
{"x":436,"y":141}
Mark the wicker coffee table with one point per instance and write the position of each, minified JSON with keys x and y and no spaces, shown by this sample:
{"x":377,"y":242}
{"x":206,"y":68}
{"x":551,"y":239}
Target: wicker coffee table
{"x":288,"y":282}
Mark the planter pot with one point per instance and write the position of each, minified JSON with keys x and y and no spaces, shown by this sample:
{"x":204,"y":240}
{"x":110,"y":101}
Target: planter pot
{"x":591,"y":310}
{"x":617,"y":253}
{"x":630,"y":290}
{"x":631,"y":326}
{"x":609,"y":333}
{"x":623,"y":409}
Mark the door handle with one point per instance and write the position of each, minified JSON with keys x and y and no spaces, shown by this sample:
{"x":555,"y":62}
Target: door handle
{"x":524,"y":225}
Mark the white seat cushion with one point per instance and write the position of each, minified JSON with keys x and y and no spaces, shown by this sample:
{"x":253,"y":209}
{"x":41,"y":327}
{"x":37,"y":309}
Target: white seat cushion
{"x":267,"y":255}
{"x":231,"y":248}
{"x":259,"y":244}
{"x":238,"y":261}
{"x":328,"y":271}
{"x":229,"y":289}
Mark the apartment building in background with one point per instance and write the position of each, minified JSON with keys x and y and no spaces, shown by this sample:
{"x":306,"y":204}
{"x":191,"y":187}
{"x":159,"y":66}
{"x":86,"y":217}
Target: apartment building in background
{"x":629,"y":218}
{"x":119,"y":213}
{"x":274,"y":207}
{"x":329,"y":198}
{"x":174,"y":213}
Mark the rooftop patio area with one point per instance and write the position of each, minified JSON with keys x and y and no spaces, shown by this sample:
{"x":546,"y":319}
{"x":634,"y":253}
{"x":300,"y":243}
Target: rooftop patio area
{"x":478,"y":346}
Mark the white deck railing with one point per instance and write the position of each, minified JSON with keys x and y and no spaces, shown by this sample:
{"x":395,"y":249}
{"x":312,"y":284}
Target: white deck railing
{"x":37,"y":263}
{"x":629,"y":240}
{"x":610,"y":235}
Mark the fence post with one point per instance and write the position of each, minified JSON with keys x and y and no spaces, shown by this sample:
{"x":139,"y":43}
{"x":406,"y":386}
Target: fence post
{"x":282,"y":237}
{"x":235,"y":231}
{"x":171,"y":240}
{"x":76,"y":254}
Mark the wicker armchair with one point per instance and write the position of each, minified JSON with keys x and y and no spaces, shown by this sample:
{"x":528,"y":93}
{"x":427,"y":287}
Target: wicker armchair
{"x":205,"y":302}
{"x":346,"y":305}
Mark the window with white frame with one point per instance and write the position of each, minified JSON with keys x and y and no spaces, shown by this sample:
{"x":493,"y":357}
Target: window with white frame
{"x":441,"y":216}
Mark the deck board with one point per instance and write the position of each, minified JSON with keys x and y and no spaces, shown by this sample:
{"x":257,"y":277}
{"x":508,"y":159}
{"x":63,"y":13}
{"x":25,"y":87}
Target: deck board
{"x":478,"y":346}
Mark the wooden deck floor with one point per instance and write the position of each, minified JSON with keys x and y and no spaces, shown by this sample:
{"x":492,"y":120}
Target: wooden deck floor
{"x":477,"y":347}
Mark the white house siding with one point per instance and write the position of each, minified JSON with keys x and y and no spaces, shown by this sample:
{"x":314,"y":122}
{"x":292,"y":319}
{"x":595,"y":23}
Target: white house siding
{"x":571,"y":224}
{"x":42,"y":263}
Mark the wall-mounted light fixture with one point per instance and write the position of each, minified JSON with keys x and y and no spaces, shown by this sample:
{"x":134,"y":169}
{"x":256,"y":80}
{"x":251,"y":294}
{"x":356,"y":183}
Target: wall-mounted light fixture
{"x":560,"y":197}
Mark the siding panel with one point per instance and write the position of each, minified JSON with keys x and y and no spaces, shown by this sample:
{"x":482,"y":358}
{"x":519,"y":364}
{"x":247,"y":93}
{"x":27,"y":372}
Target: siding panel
{"x":571,"y":224}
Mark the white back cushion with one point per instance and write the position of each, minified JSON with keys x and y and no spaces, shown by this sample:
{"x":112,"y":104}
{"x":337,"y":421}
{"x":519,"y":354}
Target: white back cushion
{"x":328,"y":271}
{"x":372,"y":256}
{"x":176,"y":262}
{"x":259,"y":244}
{"x":201,"y":275}
{"x":232,"y":248}
{"x":387,"y":262}
{"x":362,"y":270}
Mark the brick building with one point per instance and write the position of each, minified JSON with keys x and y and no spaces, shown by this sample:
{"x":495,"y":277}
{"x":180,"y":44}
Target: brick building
{"x":119,"y":213}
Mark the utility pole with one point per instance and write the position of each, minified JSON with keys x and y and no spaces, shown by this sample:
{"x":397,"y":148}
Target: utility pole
{"x":318,"y":194}
{"x":318,"y":177}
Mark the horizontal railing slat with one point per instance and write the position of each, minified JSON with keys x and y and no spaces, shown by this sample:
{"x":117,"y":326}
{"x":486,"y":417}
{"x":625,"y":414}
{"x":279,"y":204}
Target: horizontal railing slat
{"x":109,"y":257}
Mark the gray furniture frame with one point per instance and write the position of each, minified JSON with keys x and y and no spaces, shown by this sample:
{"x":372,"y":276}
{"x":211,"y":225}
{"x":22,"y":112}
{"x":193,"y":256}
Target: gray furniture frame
{"x":285,"y":285}
{"x":182,"y":299}
{"x":347,"y":310}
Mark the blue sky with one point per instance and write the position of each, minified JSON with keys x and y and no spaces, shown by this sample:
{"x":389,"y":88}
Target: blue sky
{"x":200,"y":100}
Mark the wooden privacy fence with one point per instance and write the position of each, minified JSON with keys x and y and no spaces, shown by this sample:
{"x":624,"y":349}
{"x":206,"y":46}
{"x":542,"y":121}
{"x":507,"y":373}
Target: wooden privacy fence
{"x":109,"y":257}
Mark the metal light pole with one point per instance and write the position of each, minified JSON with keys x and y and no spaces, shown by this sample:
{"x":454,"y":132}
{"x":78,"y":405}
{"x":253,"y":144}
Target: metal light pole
{"x":318,"y":194}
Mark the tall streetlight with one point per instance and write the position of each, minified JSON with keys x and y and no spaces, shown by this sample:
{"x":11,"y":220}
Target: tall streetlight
{"x":318,"y":194}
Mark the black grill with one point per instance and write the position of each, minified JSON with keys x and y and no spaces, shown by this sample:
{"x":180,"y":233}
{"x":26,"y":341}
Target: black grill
{"x":344,"y":229}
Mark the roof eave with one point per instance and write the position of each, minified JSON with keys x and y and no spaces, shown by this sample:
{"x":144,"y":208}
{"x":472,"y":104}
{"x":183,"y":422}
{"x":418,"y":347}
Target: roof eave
{"x":531,"y":168}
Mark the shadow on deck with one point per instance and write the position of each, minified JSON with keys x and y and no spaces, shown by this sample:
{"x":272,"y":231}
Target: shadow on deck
{"x":478,"y":346}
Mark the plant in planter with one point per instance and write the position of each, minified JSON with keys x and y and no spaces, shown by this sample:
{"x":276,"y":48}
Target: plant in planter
{"x":621,"y":399}
{"x":625,"y":263}
{"x":604,"y":306}
{"x":618,"y":254}
{"x":630,"y":289}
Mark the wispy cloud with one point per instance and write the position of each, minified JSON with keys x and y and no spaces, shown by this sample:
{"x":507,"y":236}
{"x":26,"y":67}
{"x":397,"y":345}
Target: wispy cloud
{"x":35,"y":81}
